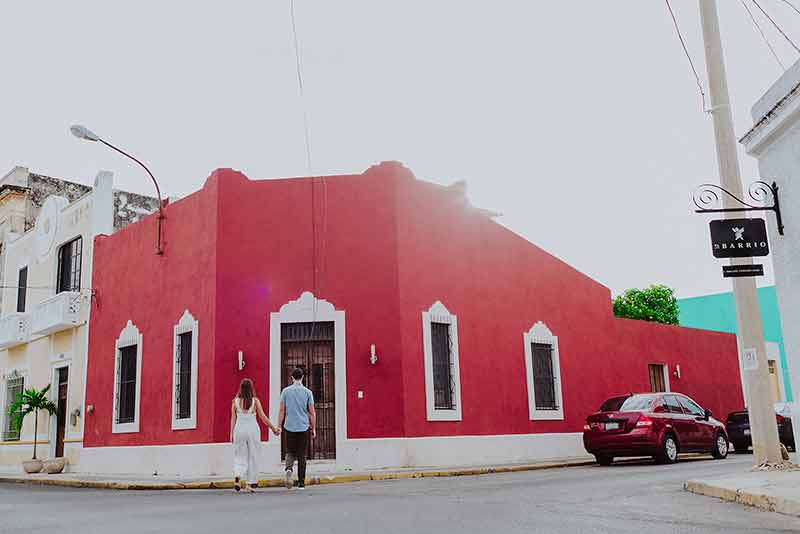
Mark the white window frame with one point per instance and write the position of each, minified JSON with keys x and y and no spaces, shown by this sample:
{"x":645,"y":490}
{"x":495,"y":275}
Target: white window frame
{"x":186,"y":324}
{"x":438,"y":313}
{"x":5,"y":375}
{"x":129,"y":336}
{"x":540,"y":333}
{"x":16,"y":301}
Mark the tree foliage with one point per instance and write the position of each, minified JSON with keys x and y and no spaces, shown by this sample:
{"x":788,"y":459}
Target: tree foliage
{"x":31,"y":401}
{"x":656,"y":303}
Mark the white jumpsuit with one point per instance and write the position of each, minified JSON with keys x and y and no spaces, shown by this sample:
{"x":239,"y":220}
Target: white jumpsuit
{"x":246,"y":441}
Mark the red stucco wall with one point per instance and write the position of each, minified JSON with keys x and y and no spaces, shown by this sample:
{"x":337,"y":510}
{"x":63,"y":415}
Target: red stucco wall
{"x":388,"y":247}
{"x":499,"y":286}
{"x":132,"y":283}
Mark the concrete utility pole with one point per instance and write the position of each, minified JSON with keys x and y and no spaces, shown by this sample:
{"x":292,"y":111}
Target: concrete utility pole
{"x":763,"y":427}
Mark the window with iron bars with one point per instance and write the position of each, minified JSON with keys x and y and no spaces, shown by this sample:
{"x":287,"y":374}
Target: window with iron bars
{"x":15,"y":385}
{"x":544,"y":379}
{"x":69,"y":266}
{"x":126,"y":385}
{"x":183,"y":378}
{"x":443,"y":379}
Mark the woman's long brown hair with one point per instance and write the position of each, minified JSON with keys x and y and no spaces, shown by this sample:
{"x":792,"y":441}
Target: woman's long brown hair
{"x":246,"y":393}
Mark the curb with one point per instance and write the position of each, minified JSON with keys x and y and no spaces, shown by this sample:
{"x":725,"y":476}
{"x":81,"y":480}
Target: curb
{"x":278,"y":482}
{"x":763,"y":501}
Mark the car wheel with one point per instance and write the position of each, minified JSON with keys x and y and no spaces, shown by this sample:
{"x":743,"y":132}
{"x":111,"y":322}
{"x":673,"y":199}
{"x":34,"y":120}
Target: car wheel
{"x":604,"y":459}
{"x":669,"y":450}
{"x":741,"y":448}
{"x":720,"y":447}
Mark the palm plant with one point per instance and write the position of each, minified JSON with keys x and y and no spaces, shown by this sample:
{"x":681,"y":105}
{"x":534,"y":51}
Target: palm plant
{"x":27,"y":402}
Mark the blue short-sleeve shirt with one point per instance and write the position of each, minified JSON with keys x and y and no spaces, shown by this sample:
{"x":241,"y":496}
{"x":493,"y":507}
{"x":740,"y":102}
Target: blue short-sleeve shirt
{"x":297,"y":398}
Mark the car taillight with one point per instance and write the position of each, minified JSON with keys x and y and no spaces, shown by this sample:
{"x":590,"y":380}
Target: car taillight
{"x":781,"y":419}
{"x":586,"y":427}
{"x":644,"y":421}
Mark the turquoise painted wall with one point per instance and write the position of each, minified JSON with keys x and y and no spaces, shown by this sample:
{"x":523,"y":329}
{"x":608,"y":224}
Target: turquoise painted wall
{"x":718,"y":312}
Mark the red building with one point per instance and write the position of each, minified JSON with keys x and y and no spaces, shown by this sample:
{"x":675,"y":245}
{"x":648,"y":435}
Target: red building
{"x":439,"y":337}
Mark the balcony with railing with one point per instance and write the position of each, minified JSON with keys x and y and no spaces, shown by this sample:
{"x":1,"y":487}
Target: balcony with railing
{"x":57,"y":313}
{"x":15,"y":329}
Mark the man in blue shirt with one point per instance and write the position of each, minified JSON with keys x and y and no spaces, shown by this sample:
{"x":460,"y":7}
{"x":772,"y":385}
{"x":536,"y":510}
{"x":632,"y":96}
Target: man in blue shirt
{"x":297,"y":417}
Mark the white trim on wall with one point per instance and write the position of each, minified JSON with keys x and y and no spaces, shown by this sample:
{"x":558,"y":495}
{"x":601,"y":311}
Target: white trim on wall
{"x":306,"y":309}
{"x":540,"y":333}
{"x":5,"y":374}
{"x":353,"y":454}
{"x":438,"y":313}
{"x":129,"y":336}
{"x":187,"y":323}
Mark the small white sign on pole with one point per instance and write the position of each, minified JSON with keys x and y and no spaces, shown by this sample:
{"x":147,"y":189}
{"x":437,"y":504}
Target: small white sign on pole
{"x":750,"y":359}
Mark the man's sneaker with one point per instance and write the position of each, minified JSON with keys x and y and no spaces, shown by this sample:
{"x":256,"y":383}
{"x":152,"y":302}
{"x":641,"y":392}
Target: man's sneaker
{"x":287,"y":479}
{"x":301,"y":487}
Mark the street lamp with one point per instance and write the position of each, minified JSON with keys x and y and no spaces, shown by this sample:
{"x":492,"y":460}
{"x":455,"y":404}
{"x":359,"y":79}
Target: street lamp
{"x":82,"y":132}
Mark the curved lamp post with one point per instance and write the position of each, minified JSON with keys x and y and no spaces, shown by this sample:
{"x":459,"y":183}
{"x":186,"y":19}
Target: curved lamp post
{"x":82,"y":132}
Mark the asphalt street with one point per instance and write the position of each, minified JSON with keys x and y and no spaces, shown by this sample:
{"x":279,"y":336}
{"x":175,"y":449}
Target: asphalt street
{"x":632,"y":497}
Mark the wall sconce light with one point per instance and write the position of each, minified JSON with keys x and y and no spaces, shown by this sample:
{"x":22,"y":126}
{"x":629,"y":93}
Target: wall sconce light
{"x":373,"y":356}
{"x":677,"y":371}
{"x":73,"y":416}
{"x":241,"y":361}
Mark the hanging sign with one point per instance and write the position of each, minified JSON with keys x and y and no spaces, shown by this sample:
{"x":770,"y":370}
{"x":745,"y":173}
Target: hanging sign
{"x":739,"y":238}
{"x":737,"y":271}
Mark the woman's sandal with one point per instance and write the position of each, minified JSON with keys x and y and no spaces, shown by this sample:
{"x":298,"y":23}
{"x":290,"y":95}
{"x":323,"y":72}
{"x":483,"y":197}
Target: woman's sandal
{"x":236,"y":485}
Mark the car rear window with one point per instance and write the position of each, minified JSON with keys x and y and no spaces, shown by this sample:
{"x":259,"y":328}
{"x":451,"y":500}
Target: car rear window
{"x":627,"y":404}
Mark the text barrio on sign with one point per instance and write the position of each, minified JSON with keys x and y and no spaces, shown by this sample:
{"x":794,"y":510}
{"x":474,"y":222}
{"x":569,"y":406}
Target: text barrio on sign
{"x":739,"y":238}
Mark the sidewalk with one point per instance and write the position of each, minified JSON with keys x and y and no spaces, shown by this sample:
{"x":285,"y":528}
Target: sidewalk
{"x":776,"y":491}
{"x":122,"y":482}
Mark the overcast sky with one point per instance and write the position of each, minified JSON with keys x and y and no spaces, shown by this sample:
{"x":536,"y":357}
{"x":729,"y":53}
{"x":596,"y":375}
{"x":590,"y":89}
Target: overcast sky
{"x":578,"y":120}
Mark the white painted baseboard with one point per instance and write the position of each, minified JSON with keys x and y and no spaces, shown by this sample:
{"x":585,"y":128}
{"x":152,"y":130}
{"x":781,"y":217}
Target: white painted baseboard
{"x":352,"y":454}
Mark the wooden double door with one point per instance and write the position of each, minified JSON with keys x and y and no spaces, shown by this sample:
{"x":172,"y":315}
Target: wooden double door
{"x":310,"y":346}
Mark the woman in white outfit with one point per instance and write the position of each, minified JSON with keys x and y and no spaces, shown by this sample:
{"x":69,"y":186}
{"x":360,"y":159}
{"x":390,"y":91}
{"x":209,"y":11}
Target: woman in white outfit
{"x":246,"y":436}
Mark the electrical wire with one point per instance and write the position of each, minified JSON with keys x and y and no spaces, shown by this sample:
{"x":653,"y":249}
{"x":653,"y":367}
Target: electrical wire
{"x":788,"y":3}
{"x":688,"y":56}
{"x":777,"y":27}
{"x":307,"y":135}
{"x":763,"y":35}
{"x":49,"y":288}
{"x":306,"y":127}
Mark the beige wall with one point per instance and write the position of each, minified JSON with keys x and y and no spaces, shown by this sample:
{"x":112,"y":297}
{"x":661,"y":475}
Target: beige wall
{"x":38,"y":359}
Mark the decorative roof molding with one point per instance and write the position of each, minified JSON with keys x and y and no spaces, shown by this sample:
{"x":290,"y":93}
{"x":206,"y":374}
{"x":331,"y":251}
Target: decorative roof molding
{"x":773,"y":123}
{"x":439,"y":313}
{"x":130,"y":335}
{"x":540,"y":332}
{"x":307,"y":302}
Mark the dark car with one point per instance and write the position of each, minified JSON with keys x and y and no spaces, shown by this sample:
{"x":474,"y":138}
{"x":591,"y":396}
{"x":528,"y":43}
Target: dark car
{"x":738,"y":427}
{"x":653,"y":424}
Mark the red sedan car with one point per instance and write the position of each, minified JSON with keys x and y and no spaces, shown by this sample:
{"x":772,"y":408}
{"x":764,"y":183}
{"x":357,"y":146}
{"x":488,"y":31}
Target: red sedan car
{"x":653,"y":424}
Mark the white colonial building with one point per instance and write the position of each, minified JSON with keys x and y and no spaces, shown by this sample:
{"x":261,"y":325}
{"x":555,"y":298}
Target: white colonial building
{"x":774,"y":140}
{"x":48,"y":227}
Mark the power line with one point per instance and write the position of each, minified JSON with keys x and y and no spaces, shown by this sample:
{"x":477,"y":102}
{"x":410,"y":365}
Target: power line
{"x":777,"y":27}
{"x":307,"y":134}
{"x":763,"y":35}
{"x":788,"y":3}
{"x":688,"y":56}
{"x":306,"y":128}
